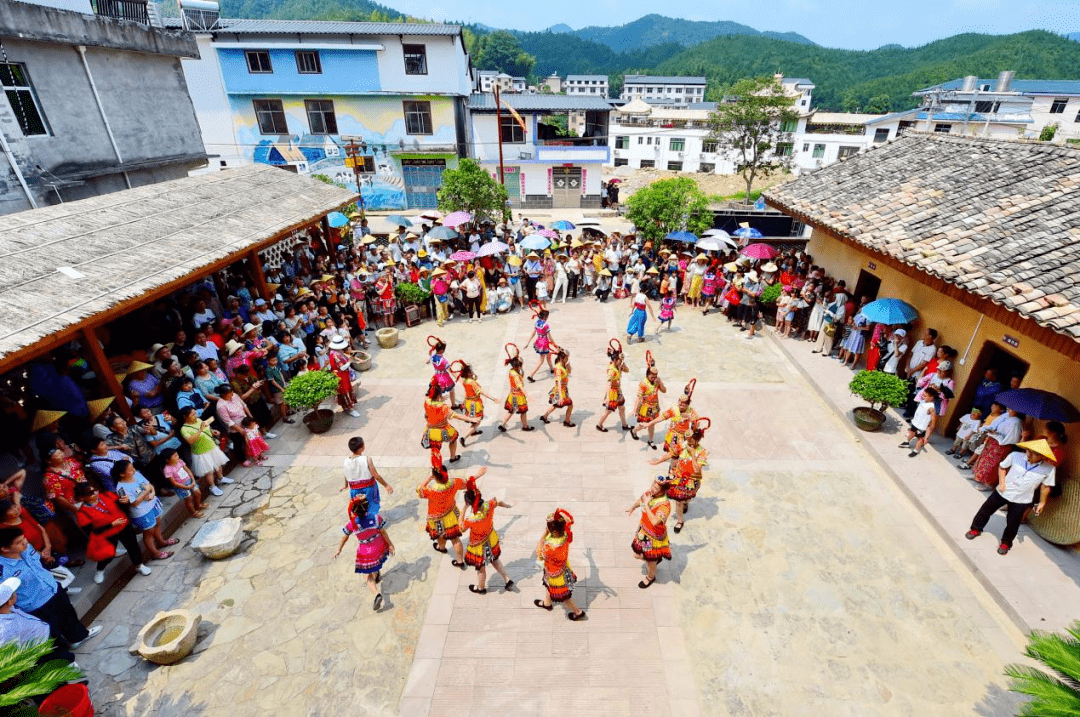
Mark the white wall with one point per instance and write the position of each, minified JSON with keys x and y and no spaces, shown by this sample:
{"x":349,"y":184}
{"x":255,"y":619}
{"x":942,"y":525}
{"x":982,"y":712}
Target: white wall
{"x":211,"y":104}
{"x":660,"y":150}
{"x":448,"y":71}
{"x":82,"y":6}
{"x":1068,"y":127}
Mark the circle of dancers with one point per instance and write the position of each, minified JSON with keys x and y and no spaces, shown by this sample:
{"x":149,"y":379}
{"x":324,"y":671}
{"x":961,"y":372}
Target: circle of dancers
{"x":667,"y":499}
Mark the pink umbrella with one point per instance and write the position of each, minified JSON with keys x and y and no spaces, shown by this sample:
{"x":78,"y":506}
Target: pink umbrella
{"x":759,"y":251}
{"x":549,"y":233}
{"x":463,"y":256}
{"x":456,"y":219}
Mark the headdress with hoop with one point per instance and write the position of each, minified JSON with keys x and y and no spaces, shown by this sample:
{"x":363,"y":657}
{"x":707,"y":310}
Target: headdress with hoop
{"x":703,"y":424}
{"x":566,"y":518}
{"x":432,"y":342}
{"x":650,"y":362}
{"x":470,"y":485}
{"x":456,"y":372}
{"x":616,"y":346}
{"x":511,"y":356}
{"x":536,"y":306}
{"x":689,"y":390}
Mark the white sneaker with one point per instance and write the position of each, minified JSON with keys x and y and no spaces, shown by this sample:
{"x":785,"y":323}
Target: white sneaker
{"x":99,"y":577}
{"x":144,"y":569}
{"x":91,"y":633}
{"x":225,"y":480}
{"x":354,"y":414}
{"x":214,"y":490}
{"x":74,"y":591}
{"x":270,"y":435}
{"x":120,"y":550}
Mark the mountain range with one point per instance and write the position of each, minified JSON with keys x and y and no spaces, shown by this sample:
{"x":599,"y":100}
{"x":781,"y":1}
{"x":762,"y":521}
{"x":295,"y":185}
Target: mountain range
{"x":653,"y":30}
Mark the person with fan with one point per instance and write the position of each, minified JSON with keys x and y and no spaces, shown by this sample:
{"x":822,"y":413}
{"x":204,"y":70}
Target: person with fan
{"x":647,"y":407}
{"x":553,"y":551}
{"x":484,"y":549}
{"x":613,"y":398}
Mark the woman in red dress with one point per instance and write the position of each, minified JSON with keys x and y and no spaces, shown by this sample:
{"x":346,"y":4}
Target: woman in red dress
{"x":554,"y":551}
{"x":340,"y":363}
{"x":384,"y":287}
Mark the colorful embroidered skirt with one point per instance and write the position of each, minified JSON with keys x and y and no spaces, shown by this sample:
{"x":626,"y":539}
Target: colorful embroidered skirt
{"x":648,"y":411}
{"x":559,"y":397}
{"x":685,"y":490}
{"x":473,"y":407}
{"x":560,"y":585}
{"x":614,"y":398}
{"x":517,"y":403}
{"x":445,"y":527}
{"x":435,"y":437}
{"x":483,"y":553}
{"x":654,"y":548}
{"x":372,"y":552}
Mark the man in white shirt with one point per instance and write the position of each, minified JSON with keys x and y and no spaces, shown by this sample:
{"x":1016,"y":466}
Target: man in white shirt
{"x":613,"y":256}
{"x":18,"y":626}
{"x":921,"y":354}
{"x":203,"y":348}
{"x":395,"y":249}
{"x":1019,"y":475}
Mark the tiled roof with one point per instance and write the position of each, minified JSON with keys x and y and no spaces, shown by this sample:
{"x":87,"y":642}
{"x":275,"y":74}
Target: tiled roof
{"x":229,"y":26}
{"x":997,"y":218}
{"x":1032,"y":87}
{"x":539,"y":103}
{"x":660,"y":80}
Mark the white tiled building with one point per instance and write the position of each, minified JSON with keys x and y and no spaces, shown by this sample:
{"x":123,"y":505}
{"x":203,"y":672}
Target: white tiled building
{"x":595,"y":85}
{"x":664,"y":91}
{"x":822,"y":138}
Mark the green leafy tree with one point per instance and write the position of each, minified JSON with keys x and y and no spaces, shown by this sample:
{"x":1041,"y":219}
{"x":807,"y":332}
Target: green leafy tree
{"x":1054,"y":693}
{"x":23,"y":678}
{"x":879,"y":104}
{"x":469,"y":188}
{"x":501,"y":51}
{"x":669,"y":205}
{"x":1048,"y":132}
{"x":749,"y":125}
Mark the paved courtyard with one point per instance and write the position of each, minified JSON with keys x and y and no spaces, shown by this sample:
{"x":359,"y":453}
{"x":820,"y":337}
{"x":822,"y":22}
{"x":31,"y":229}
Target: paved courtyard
{"x":804,"y":583}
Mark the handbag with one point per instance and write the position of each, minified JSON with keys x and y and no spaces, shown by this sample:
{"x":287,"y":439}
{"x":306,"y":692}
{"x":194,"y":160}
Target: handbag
{"x":732,"y":297}
{"x":830,"y":329}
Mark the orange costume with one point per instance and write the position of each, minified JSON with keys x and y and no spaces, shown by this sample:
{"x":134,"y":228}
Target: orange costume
{"x":559,"y":395}
{"x":517,"y":401}
{"x":686,"y":472}
{"x":649,"y":393}
{"x":559,"y":578}
{"x":651,"y":542}
{"x":483,"y":540}
{"x":614,"y":396}
{"x":442,"y":517}
{"x":438,"y":429}
{"x":682,"y":422}
{"x":474,"y":402}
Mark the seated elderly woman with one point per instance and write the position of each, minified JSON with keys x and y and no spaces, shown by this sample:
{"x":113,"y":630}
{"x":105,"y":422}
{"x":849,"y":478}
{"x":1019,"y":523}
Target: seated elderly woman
{"x":144,"y":388}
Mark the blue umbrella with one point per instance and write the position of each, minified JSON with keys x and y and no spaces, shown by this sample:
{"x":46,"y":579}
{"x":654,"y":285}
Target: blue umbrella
{"x":889,"y":311}
{"x":337,"y":219}
{"x":1043,"y":405}
{"x":562,"y":225}
{"x":684,"y":237}
{"x":535,"y":241}
{"x":748,"y":233}
{"x":442,"y":233}
{"x":398,"y":220}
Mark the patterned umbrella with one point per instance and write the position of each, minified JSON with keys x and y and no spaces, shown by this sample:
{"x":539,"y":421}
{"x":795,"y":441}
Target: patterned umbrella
{"x":462,"y":256}
{"x":399,"y":221}
{"x":549,"y":233}
{"x":337,"y":219}
{"x":759,"y":251}
{"x":562,"y":225}
{"x":715,"y":244}
{"x":748,"y":233}
{"x":443,"y":233}
{"x":456,"y":219}
{"x":535,"y":241}
{"x":684,"y":237}
{"x":492,"y":248}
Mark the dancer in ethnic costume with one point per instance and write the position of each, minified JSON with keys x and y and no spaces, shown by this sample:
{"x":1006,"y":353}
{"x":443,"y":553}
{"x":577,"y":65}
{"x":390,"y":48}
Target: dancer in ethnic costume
{"x":613,"y":398}
{"x":341,"y":364}
{"x":647,"y":407}
{"x":473,"y":406}
{"x":682,"y":418}
{"x":559,"y":395}
{"x":543,"y":344}
{"x":438,"y":413}
{"x":686,"y":469}
{"x":554,"y":551}
{"x":442,"y":516}
{"x":484,"y":548}
{"x":516,"y":402}
{"x":437,"y":347}
{"x":651,"y":541}
{"x":373,"y":544}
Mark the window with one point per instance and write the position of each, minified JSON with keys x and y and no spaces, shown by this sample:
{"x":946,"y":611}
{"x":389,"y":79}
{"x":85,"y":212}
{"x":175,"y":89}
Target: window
{"x":621,"y":161}
{"x":803,"y":103}
{"x":640,"y":140}
{"x":709,"y":146}
{"x":806,"y":147}
{"x":943,"y":128}
{"x":819,"y":151}
{"x":417,"y":117}
{"x":846,"y":152}
{"x":649,"y":90}
{"x":622,"y":142}
{"x":647,"y":164}
{"x":271,"y":117}
{"x":881,"y":135}
{"x":258,"y":62}
{"x":677,"y":144}
{"x":789,"y":126}
{"x":20,"y":94}
{"x":1058,"y":106}
{"x":785,"y":149}
{"x":674,"y":166}
{"x":648,"y":140}
{"x":678,"y":90}
{"x":308,"y":63}
{"x":511,"y":131}
{"x":321,"y":117}
{"x":987,"y":108}
{"x":706,"y":168}
{"x":1077,"y":117}
{"x":415,"y":59}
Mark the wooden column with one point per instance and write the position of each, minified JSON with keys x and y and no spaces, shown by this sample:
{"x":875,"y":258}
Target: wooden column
{"x":257,"y":273}
{"x":104,"y":371}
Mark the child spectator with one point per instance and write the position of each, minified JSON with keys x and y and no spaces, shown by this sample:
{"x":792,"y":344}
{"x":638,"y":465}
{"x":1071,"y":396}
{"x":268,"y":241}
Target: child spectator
{"x":965,"y":435}
{"x":183,"y":480}
{"x":922,"y":423}
{"x":254,"y":444}
{"x":667,"y":310}
{"x":275,"y":381}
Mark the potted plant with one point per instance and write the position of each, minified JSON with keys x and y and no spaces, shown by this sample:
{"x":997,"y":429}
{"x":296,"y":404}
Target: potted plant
{"x":24,"y":679}
{"x":878,"y":389}
{"x":409,"y":294}
{"x":767,"y":302}
{"x":309,"y":390}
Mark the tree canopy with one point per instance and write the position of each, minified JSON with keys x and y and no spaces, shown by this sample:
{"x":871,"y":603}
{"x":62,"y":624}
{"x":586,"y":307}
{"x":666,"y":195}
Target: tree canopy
{"x":501,"y":51}
{"x":469,"y":188}
{"x":669,"y":205}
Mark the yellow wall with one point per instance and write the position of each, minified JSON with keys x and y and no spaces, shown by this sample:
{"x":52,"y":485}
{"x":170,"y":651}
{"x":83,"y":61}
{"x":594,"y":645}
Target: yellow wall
{"x":956,"y":323}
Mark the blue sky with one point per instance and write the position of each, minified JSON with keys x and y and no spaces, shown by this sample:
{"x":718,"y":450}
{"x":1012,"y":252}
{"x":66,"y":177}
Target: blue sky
{"x":855,"y":24}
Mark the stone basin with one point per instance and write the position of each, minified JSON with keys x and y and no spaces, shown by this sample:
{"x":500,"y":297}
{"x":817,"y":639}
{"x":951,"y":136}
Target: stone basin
{"x":219,"y":539}
{"x":168,"y":638}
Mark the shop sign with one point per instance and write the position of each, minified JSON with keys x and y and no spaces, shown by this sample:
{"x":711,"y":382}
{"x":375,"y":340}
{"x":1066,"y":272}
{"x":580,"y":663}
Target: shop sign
{"x":1012,"y":341}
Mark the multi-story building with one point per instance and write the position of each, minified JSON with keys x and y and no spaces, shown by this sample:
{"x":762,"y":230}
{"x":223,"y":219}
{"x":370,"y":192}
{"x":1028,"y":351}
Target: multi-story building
{"x":595,"y":85}
{"x":664,"y":91}
{"x":488,"y":80}
{"x":541,"y":169}
{"x":295,"y":94}
{"x":92,"y":102}
{"x":822,"y":138}
{"x":1003,"y":107}
{"x":553,"y":82}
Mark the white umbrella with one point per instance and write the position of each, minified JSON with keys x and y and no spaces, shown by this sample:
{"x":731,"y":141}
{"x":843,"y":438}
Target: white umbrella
{"x":713,"y":244}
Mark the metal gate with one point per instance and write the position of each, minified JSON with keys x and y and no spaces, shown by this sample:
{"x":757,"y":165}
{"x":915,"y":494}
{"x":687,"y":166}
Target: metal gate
{"x":512,"y":182}
{"x":565,"y":187}
{"x":423,"y":177}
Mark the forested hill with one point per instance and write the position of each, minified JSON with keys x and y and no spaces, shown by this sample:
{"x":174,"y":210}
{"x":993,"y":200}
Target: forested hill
{"x":659,"y":30}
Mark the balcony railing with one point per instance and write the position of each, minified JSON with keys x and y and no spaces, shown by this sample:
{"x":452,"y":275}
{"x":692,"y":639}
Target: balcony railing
{"x":133,"y":10}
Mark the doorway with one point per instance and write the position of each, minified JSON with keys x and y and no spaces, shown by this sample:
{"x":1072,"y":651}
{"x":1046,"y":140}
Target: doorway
{"x":565,"y":187}
{"x":512,"y":182}
{"x":423,"y":178}
{"x":991,"y":356}
{"x":868,"y":285}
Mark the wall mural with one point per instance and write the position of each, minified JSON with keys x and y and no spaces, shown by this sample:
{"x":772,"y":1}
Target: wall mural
{"x":378,"y":121}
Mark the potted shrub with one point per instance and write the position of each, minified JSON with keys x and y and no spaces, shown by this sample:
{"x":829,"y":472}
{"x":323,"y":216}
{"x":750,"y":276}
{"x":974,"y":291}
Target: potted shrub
{"x":409,"y":294}
{"x":767,"y":302}
{"x":309,"y":390}
{"x":24,"y":679}
{"x":878,"y":389}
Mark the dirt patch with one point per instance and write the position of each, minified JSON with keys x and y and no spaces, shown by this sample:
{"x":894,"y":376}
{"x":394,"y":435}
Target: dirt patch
{"x":714,"y":185}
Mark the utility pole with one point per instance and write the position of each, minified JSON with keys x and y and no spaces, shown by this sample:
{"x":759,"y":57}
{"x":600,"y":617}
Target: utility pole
{"x":498,"y":129}
{"x":354,"y":158}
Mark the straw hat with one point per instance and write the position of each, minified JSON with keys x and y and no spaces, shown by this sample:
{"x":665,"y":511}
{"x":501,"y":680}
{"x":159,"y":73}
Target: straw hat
{"x":752,"y":275}
{"x":273,"y":287}
{"x":665,"y":252}
{"x":157,"y":347}
{"x":770,"y":268}
{"x":425,"y":271}
{"x":577,"y":244}
{"x":232,"y":347}
{"x":138,"y":366}
{"x":98,"y":406}
{"x":304,"y":291}
{"x":651,"y":270}
{"x":326,"y":277}
{"x":248,"y":328}
{"x":46,"y":418}
{"x":514,"y":260}
{"x":120,"y":375}
{"x":532,"y":255}
{"x":339,"y":343}
{"x":731,"y":266}
{"x":701,"y":257}
{"x":369,"y":239}
{"x":605,"y":272}
{"x":439,"y":272}
{"x":1039,"y":446}
{"x":389,"y":262}
{"x":421,"y":254}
